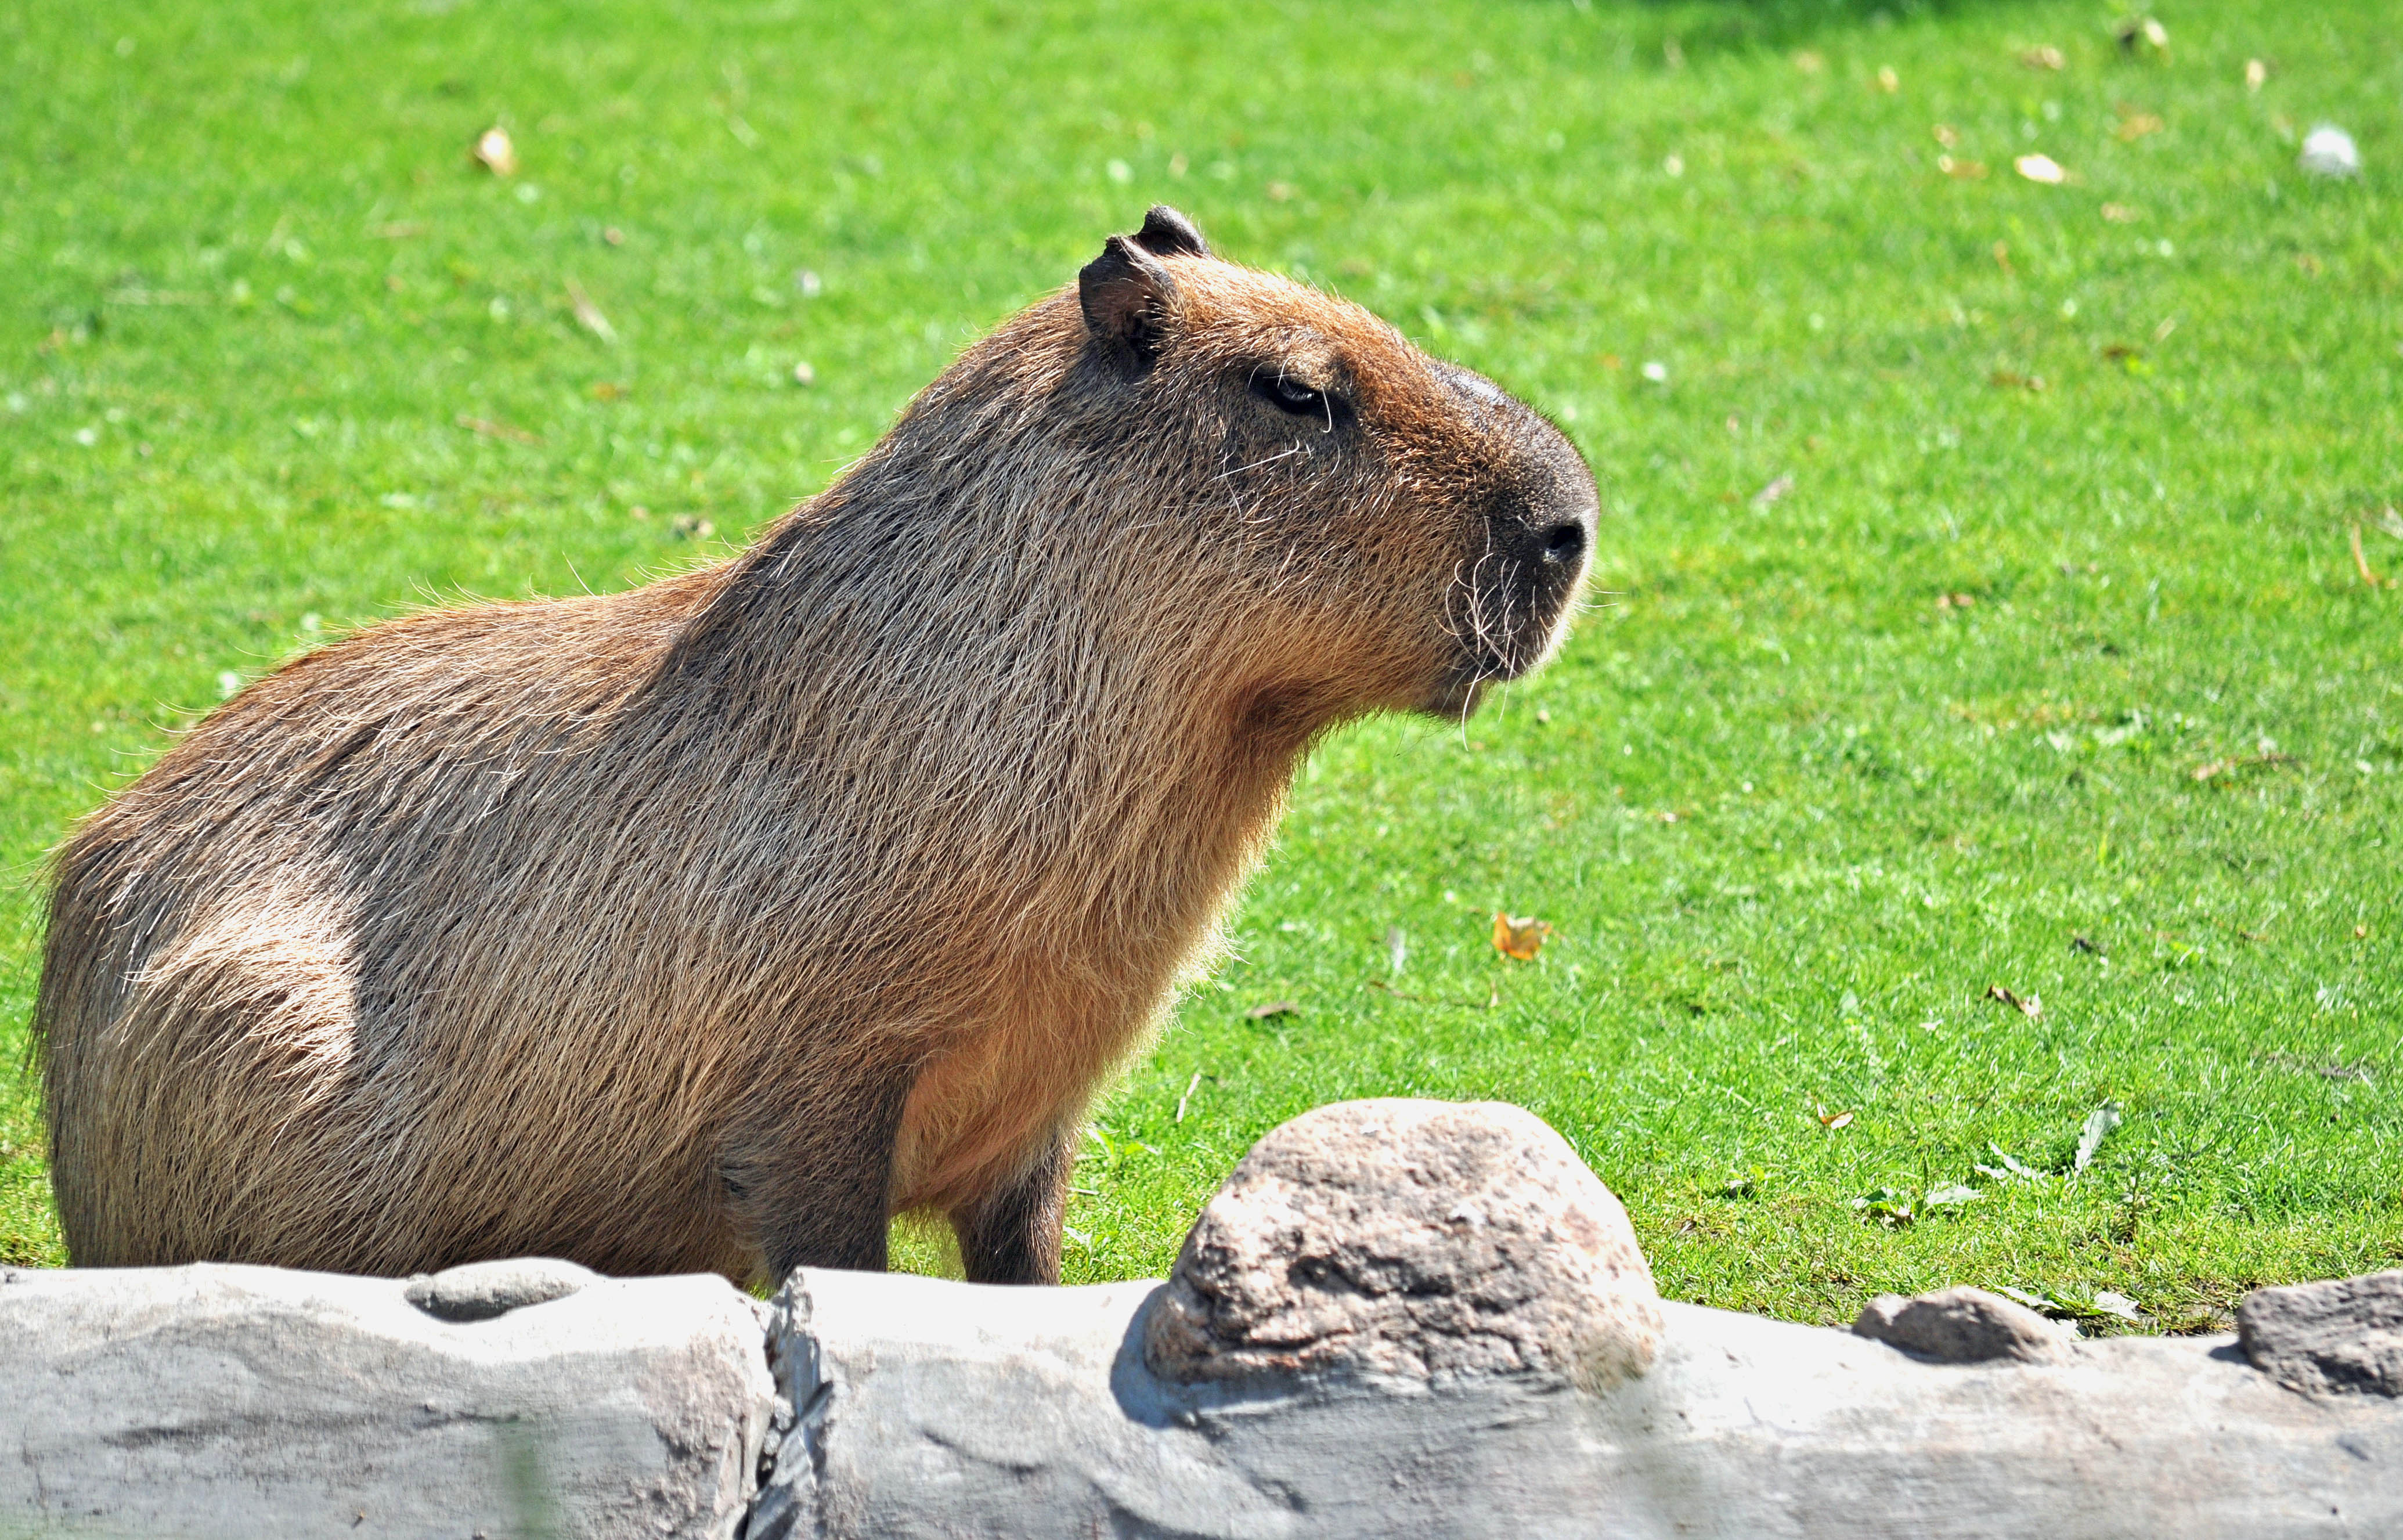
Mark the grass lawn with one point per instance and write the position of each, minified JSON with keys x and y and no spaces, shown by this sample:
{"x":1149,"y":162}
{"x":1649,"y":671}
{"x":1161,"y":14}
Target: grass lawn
{"x":1982,"y":603}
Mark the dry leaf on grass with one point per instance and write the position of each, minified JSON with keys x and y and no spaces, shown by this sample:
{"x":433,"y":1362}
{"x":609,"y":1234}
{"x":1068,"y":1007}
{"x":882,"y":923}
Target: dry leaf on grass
{"x":2099,"y":1124}
{"x":491,"y":429}
{"x":2257,"y":75}
{"x":2044,"y":57}
{"x":1966,"y":170}
{"x":494,"y":149}
{"x":587,"y":314}
{"x":1520,"y":936}
{"x":2120,"y":214}
{"x":1273,"y":1007}
{"x":2040,"y":168}
{"x":2031,"y":1007}
{"x":2135,"y":125}
{"x":1772,"y":492}
{"x":1834,"y":1119}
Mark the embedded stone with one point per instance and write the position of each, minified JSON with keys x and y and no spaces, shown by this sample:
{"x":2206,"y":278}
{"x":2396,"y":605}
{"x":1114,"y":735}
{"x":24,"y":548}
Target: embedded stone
{"x":481,"y":1291}
{"x":1961,"y":1326}
{"x":2340,"y":1336}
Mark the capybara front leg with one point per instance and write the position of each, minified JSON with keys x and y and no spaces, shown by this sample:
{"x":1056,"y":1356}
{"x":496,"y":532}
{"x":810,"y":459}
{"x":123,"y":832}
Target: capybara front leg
{"x":820,"y":1196}
{"x":1011,"y":1235}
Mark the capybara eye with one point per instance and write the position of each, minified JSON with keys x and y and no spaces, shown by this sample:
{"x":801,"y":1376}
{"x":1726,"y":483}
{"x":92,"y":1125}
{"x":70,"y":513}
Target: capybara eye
{"x":1288,"y":393}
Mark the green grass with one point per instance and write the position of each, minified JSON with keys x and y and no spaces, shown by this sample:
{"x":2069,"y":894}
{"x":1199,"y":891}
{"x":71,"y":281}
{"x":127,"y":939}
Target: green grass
{"x":249,"y":282}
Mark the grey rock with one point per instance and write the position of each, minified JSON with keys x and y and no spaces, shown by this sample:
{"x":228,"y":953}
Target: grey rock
{"x":480,"y":1291}
{"x":1961,"y":1326}
{"x":1425,"y":1240}
{"x":239,"y":1402}
{"x":2341,"y":1337}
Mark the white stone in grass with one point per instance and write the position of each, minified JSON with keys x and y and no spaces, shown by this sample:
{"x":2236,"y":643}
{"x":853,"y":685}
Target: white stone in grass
{"x":2330,"y":151}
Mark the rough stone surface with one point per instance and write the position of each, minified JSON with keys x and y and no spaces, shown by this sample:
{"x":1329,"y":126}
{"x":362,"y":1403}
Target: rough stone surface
{"x":1961,"y":1326}
{"x":480,"y":1291}
{"x":2345,"y":1335}
{"x":932,"y":1409}
{"x":1421,"y":1240}
{"x":240,"y":1402}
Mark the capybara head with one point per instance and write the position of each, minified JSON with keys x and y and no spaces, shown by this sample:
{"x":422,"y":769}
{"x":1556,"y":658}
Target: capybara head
{"x":1376,"y":529}
{"x":1430,"y":531}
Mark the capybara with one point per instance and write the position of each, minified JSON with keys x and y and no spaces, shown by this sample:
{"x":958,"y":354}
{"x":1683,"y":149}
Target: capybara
{"x":710,"y":925}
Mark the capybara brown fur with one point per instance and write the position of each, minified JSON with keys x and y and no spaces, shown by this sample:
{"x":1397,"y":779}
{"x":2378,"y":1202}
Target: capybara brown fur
{"x":709,"y":924}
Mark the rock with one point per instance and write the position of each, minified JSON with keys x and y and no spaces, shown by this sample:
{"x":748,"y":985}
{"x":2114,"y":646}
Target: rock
{"x":479,"y":1291}
{"x":1426,"y":1240}
{"x":226,"y":1403}
{"x":2345,"y":1335}
{"x":1961,"y":1326}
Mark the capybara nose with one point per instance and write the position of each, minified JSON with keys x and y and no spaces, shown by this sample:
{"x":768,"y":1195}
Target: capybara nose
{"x":1564,"y":543}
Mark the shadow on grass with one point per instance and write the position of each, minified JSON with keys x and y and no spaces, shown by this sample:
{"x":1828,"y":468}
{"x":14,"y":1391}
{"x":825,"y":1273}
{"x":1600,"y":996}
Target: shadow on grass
{"x":1701,"y":27}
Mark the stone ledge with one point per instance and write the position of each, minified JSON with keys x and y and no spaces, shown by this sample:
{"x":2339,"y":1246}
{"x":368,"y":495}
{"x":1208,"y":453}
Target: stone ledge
{"x":1349,"y":1350}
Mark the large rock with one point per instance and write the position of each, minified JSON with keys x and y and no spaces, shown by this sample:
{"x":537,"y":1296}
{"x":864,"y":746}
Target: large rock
{"x":2345,"y":1335}
{"x":1423,"y":1239}
{"x":246,"y":1402}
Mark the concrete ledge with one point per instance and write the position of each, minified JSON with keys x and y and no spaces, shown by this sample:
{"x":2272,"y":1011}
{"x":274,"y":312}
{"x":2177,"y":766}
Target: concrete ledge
{"x":250,"y":1402}
{"x":1395,"y":1319}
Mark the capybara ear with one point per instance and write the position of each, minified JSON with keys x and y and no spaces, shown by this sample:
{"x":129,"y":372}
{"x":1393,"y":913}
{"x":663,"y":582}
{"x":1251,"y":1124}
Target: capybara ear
{"x":1168,"y":234}
{"x":1128,"y":299}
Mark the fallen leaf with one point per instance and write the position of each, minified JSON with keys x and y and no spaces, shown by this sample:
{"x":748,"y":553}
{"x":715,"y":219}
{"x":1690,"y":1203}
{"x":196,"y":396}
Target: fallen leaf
{"x":613,"y":235}
{"x":2142,"y":32}
{"x":2161,"y":332}
{"x":2011,"y":380}
{"x":587,"y":314}
{"x":2044,"y":57}
{"x":397,"y":232}
{"x":803,"y":374}
{"x":1281,"y":193}
{"x":1952,"y":1195}
{"x":1835,"y":1119}
{"x":1946,"y":136}
{"x":2257,"y":75}
{"x":1274,"y":1007}
{"x":1955,"y":601}
{"x":1772,"y":492}
{"x":492,"y":147}
{"x":491,"y":429}
{"x":1887,"y":81}
{"x":2031,"y":1007}
{"x":2135,"y":125}
{"x":1966,"y":170}
{"x":2361,"y":558}
{"x":2012,"y":1167}
{"x":2115,"y":1304}
{"x":607,"y":390}
{"x":2040,"y":168}
{"x":2099,"y":1123}
{"x":1520,"y":936}
{"x":2120,"y":214}
{"x":1809,"y":63}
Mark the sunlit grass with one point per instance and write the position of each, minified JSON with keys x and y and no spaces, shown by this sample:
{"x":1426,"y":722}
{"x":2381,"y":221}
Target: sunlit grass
{"x":1791,"y":815}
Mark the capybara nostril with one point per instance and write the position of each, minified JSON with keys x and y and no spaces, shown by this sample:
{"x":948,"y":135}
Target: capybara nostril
{"x":1564,"y":542}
